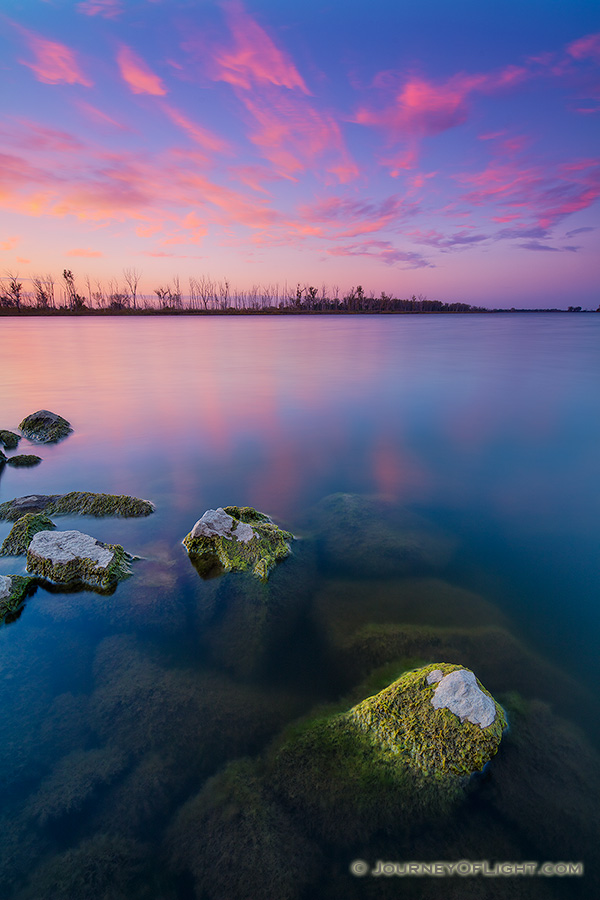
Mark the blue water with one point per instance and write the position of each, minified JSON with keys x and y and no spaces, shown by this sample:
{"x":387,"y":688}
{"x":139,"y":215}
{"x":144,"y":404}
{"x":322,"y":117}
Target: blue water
{"x":116,"y":710}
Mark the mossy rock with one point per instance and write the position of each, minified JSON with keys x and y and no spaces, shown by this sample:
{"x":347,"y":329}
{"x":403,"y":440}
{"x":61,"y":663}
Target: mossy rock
{"x":236,"y":539}
{"x":22,"y":532}
{"x":86,"y":503}
{"x":45,"y":427}
{"x":14,"y":589}
{"x":24,"y":460}
{"x":9,"y":439}
{"x":74,"y":558}
{"x":389,"y":764}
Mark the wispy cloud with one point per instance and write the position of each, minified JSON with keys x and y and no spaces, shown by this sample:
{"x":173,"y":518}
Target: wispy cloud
{"x":137,"y":74}
{"x":384,"y":251}
{"x":10,"y":243}
{"x":85,"y":252}
{"x":108,"y":9}
{"x":54,"y":63}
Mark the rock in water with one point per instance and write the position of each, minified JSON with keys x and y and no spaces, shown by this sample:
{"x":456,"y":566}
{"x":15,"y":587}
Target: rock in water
{"x":23,"y":460}
{"x":235,"y":539}
{"x":86,"y":503}
{"x":22,"y":532}
{"x":71,"y":557}
{"x":438,"y":719}
{"x":45,"y":427}
{"x":9,"y":439}
{"x":13,"y":590}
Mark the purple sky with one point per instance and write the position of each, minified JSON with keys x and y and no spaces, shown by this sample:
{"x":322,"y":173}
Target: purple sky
{"x":449,"y":149}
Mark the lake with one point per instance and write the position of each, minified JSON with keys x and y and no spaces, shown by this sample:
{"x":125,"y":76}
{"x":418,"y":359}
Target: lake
{"x":140,"y":730}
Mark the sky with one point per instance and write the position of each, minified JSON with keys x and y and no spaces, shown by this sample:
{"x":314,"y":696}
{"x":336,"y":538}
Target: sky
{"x":450,"y":149}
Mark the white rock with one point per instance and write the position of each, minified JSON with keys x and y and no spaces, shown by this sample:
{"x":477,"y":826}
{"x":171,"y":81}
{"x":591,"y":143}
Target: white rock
{"x":435,"y":675}
{"x":459,"y":692}
{"x":65,"y":546}
{"x":5,"y":583}
{"x":218,"y":523}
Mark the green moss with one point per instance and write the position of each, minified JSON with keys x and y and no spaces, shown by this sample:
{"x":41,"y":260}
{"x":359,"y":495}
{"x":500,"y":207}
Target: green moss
{"x":23,"y":530}
{"x":403,"y":721}
{"x":85,"y":503}
{"x":24,"y":459}
{"x":83,"y":571}
{"x":215,"y":554}
{"x":20,"y":588}
{"x":9,"y":439}
{"x":45,"y":427}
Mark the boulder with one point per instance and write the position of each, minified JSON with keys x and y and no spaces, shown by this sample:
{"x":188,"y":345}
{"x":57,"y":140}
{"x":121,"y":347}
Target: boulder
{"x":388,"y":765}
{"x":85,"y":503}
{"x":236,"y":539}
{"x":23,"y":460}
{"x":71,"y":557}
{"x":45,"y":427}
{"x":9,"y":439}
{"x":22,"y":532}
{"x":13,"y":591}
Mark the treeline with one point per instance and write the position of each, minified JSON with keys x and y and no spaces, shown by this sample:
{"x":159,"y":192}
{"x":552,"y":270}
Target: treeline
{"x":47,"y":295}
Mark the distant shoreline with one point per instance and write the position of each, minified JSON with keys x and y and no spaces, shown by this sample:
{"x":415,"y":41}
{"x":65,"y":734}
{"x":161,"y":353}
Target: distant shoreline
{"x":61,"y":312}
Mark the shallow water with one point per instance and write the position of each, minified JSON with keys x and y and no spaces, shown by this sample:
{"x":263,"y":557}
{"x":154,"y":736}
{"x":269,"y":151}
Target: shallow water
{"x":479,"y":435}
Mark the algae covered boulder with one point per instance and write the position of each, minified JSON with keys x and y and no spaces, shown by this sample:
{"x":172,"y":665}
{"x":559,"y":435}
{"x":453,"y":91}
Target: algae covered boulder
{"x":235,"y":539}
{"x":22,"y":532}
{"x":9,"y":439}
{"x":13,"y":591}
{"x":393,"y":761}
{"x":86,"y":503}
{"x":71,"y":557}
{"x":24,"y":460}
{"x":45,"y":427}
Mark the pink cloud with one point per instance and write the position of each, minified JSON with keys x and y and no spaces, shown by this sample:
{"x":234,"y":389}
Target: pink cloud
{"x":100,"y":118}
{"x":10,"y":243}
{"x":85,"y":252}
{"x":140,"y":78}
{"x":384,"y":251}
{"x":54,"y":63}
{"x":22,"y":259}
{"x":350,"y":218}
{"x":108,"y":9}
{"x":254,"y":59}
{"x":201,"y":136}
{"x":586,"y":47}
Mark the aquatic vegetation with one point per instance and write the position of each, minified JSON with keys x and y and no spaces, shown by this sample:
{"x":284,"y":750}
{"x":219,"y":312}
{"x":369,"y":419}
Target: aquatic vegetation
{"x":45,"y":427}
{"x":86,"y":503}
{"x":236,"y":539}
{"x":73,"y":781}
{"x":71,"y":557}
{"x":22,"y":532}
{"x":366,"y":536}
{"x":14,"y":589}
{"x":24,"y":460}
{"x":9,"y":439}
{"x":103,"y":867}
{"x":239,"y":842}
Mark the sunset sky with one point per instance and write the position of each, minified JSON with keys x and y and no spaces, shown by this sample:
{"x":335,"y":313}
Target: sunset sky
{"x":436,"y":147}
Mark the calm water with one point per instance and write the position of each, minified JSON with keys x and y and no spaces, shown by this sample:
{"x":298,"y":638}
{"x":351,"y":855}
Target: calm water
{"x":481,"y":433}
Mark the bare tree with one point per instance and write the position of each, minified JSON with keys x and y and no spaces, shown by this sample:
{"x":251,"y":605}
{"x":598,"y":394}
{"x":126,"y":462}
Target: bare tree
{"x":74,"y":300}
{"x":42,"y":296}
{"x":12,"y":294}
{"x":132,"y":280}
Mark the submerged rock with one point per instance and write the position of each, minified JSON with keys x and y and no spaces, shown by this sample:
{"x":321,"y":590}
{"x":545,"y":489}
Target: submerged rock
{"x":236,"y":539}
{"x":22,"y":532}
{"x":85,"y":503}
{"x":24,"y":459}
{"x":13,"y":591}
{"x":367,"y":536}
{"x":45,"y":427}
{"x":71,"y":557}
{"x":9,"y":439}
